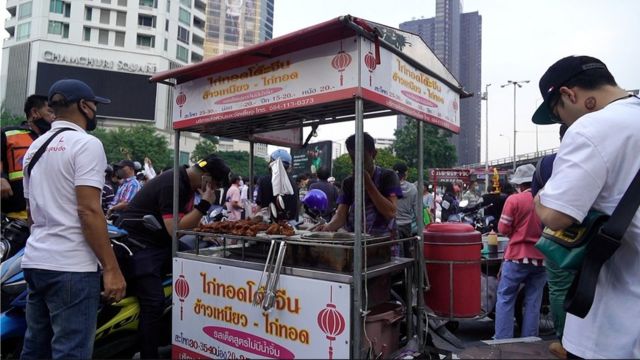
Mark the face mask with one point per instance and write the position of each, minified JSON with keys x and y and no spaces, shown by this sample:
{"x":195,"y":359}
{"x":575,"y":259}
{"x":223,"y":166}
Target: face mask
{"x":42,"y":125}
{"x":91,"y":121}
{"x":241,"y":183}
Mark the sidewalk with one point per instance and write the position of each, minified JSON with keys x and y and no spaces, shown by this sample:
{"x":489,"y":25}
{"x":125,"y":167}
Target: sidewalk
{"x":520,"y":348}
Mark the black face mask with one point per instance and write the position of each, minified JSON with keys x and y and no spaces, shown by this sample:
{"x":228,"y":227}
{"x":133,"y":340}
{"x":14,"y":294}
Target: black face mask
{"x":91,"y":121}
{"x":42,"y":125}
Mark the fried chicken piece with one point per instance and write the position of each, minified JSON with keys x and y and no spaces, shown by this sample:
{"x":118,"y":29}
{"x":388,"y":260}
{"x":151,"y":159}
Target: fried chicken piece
{"x":274,"y":229}
{"x":287,"y":230}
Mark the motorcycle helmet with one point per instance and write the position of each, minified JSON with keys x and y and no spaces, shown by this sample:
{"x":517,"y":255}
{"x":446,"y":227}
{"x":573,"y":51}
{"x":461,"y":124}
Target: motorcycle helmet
{"x":315,"y":202}
{"x":282,"y":155}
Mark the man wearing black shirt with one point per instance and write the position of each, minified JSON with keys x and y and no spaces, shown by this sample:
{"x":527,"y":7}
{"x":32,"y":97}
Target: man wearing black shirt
{"x":265,"y":195}
{"x":329,"y":189}
{"x":152,"y":249}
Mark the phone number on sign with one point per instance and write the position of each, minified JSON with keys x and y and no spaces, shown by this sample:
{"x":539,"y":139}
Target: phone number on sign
{"x":201,"y":346}
{"x":290,"y":104}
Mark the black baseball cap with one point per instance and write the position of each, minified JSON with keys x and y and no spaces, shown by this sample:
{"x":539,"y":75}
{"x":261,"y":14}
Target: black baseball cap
{"x":123,"y":163}
{"x":215,"y":167}
{"x":75,"y":90}
{"x":555,"y":77}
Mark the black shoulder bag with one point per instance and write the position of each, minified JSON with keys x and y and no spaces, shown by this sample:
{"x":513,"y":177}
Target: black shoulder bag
{"x":599,"y":249}
{"x":42,"y":149}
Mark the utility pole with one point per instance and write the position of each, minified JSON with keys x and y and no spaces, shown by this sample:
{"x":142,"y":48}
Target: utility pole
{"x":518,"y":84}
{"x":485,"y":97}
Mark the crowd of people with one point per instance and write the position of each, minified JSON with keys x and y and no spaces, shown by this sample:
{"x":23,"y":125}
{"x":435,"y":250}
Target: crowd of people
{"x":71,"y":192}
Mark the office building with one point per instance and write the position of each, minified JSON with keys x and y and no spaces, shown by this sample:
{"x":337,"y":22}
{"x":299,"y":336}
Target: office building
{"x":112,"y":45}
{"x":233,"y":24}
{"x":456,"y":38}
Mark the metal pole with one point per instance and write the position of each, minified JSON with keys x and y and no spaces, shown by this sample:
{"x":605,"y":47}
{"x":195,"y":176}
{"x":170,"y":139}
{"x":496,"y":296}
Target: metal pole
{"x":176,"y":192}
{"x":419,"y":250}
{"x":357,"y":246}
{"x":537,"y":140}
{"x":251,"y":171}
{"x":518,"y":84}
{"x":486,"y":141}
{"x":357,"y":310}
{"x":514,"y":126}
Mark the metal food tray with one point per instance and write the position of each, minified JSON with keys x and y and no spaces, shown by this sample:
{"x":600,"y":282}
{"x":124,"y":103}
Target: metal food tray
{"x":321,"y":250}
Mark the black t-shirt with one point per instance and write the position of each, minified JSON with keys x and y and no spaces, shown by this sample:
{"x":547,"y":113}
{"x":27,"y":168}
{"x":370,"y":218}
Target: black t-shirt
{"x":265,"y":197}
{"x":15,"y":202}
{"x":156,"y":198}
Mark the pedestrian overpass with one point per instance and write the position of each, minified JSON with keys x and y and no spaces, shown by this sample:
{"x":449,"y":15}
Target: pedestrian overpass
{"x":506,"y":164}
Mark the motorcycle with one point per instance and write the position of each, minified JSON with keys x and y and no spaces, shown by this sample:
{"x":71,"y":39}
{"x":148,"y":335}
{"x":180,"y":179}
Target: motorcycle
{"x":117,"y":324}
{"x":15,"y":233}
{"x":475,"y":217}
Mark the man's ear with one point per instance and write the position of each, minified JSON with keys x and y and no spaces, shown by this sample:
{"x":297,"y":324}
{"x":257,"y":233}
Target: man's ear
{"x":571,"y":94}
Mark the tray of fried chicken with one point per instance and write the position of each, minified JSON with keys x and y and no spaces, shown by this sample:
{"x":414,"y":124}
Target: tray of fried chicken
{"x":251,"y":228}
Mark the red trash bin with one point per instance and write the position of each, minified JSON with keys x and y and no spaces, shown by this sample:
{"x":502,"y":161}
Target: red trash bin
{"x":452,"y":257}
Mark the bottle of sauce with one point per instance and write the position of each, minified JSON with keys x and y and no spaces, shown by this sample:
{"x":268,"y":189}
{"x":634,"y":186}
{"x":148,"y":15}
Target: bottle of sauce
{"x":492,"y":242}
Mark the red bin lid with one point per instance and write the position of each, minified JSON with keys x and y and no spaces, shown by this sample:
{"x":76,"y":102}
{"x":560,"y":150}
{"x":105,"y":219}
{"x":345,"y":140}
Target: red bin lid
{"x":449,"y":227}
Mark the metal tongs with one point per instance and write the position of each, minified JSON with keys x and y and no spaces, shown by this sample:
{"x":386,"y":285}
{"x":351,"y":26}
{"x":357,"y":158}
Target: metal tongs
{"x":265,"y":296}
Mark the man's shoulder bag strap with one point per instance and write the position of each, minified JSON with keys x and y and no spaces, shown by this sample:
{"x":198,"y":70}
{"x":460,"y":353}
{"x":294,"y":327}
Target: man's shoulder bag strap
{"x":43,"y":148}
{"x":582,"y":291}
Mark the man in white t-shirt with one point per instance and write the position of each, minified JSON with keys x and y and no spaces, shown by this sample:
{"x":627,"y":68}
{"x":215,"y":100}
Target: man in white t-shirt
{"x":596,"y":162}
{"x":69,"y":239}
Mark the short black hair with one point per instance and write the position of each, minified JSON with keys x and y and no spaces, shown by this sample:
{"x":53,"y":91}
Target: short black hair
{"x":369,"y":143}
{"x":323,"y":173}
{"x":588,"y":80}
{"x":234,"y":178}
{"x":34,"y":101}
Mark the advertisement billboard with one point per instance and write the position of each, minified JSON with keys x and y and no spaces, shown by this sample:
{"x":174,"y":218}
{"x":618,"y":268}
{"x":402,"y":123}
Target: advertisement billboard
{"x":309,"y":159}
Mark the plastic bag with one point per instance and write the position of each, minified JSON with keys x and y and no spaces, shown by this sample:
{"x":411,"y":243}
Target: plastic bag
{"x":279,"y":179}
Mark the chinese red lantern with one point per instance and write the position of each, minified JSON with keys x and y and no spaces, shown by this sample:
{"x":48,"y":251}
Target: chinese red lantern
{"x":331,"y":322}
{"x":181,"y":288}
{"x":341,"y":61}
{"x":370,"y":62}
{"x":181,"y":99}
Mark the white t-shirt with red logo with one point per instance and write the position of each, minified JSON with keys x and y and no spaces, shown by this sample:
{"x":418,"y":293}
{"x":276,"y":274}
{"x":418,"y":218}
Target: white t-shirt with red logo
{"x":597,"y":160}
{"x":73,"y":158}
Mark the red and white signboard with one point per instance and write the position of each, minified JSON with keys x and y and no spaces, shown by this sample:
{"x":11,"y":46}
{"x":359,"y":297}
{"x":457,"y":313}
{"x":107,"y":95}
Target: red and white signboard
{"x":398,"y":85}
{"x":213,"y":315}
{"x":308,"y":77}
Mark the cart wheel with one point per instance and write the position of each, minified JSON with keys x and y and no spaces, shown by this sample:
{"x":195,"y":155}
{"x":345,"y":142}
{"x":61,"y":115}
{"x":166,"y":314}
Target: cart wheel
{"x":452,"y":325}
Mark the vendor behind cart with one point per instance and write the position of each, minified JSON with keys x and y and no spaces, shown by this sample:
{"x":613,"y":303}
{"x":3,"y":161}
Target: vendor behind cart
{"x":381,"y":192}
{"x":266,"y":200}
{"x":144,"y":270}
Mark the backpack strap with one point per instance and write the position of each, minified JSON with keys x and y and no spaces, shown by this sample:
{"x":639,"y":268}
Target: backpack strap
{"x":581,"y":294}
{"x":43,"y":148}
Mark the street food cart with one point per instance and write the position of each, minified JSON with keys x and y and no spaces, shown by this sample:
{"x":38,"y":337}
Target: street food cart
{"x":345,"y":69}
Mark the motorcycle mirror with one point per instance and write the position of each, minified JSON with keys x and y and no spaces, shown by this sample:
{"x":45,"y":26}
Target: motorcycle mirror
{"x":463,"y":203}
{"x":151,"y":223}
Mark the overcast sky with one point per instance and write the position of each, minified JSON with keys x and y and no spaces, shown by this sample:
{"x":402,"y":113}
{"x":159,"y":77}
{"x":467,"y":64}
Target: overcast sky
{"x":520,"y":40}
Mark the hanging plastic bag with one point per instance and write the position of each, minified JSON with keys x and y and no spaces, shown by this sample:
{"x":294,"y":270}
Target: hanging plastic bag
{"x":281,"y":186}
{"x":279,"y":179}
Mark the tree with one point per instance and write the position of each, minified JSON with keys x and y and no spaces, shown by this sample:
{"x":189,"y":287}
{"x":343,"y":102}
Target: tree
{"x":342,"y":167}
{"x":204,"y":148}
{"x":438,"y":152}
{"x":135,"y":143}
{"x":238,"y":162}
{"x":9,"y":119}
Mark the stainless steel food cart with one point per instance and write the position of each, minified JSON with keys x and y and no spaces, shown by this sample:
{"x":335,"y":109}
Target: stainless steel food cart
{"x":344,"y":69}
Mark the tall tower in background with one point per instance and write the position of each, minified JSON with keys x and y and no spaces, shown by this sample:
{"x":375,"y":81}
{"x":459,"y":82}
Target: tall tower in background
{"x":234,"y":24}
{"x":456,"y":38}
